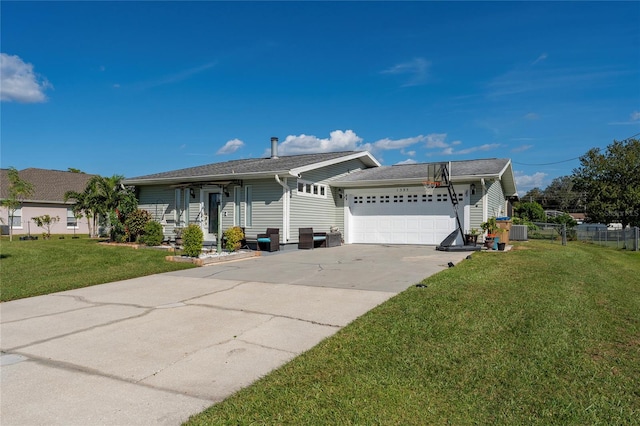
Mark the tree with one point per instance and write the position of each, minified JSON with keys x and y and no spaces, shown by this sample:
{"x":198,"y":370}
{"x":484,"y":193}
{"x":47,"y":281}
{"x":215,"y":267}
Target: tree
{"x":19,"y":190}
{"x":535,"y":194}
{"x":530,"y":211}
{"x":610,"y":183}
{"x":103,"y":197}
{"x":560,"y":195}
{"x":46,"y":222}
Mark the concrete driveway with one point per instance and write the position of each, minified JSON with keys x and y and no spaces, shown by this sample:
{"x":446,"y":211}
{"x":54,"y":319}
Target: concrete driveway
{"x":157,"y":349}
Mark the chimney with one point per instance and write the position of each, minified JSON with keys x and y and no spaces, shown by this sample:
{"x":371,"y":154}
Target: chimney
{"x":274,"y":147}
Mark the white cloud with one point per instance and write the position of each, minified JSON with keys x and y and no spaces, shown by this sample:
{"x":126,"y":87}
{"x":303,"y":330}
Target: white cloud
{"x":522,"y":148}
{"x":177,"y":77}
{"x":19,"y":83}
{"x":386,"y":143}
{"x":409,"y":153}
{"x":231,"y":146}
{"x":527,"y":182}
{"x":437,"y":140}
{"x":305,"y":144}
{"x":531,"y":116}
{"x":407,"y":161}
{"x":635,"y":116}
{"x":417,"y":69}
{"x":540,"y":58}
{"x":485,"y":147}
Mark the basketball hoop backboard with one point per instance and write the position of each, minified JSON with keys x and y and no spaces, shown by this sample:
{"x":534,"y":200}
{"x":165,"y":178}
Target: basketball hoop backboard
{"x":437,"y":172}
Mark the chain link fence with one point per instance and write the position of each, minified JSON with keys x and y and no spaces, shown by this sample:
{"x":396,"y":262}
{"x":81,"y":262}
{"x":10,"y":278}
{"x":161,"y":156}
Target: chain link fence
{"x":628,"y":238}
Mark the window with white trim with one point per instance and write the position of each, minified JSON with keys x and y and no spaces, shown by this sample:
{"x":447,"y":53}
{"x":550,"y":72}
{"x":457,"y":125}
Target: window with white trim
{"x":181,"y":214}
{"x":72,"y":220}
{"x":312,"y":189}
{"x":16,"y":219}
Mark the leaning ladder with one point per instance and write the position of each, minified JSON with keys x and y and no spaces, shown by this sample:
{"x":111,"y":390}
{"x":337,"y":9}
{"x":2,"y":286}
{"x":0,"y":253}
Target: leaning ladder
{"x":452,"y":195}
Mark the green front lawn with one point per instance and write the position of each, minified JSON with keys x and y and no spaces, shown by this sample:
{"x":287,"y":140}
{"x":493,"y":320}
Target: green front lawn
{"x":31,"y":268}
{"x":544,"y":334}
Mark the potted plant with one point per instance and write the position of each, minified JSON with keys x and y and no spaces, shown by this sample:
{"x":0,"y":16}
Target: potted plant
{"x":491,"y":227}
{"x":471,"y":237}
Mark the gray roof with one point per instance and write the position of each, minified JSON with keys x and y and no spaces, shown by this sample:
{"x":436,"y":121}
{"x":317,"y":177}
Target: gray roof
{"x":49,"y":185}
{"x":459,"y":169}
{"x":466,"y":170}
{"x":242,"y":168}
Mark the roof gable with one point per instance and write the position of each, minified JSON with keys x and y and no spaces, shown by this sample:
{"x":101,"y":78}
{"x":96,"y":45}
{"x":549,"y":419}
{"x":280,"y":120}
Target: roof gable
{"x":49,"y":185}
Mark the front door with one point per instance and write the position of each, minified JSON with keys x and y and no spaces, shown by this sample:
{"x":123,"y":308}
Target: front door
{"x":212,"y":207}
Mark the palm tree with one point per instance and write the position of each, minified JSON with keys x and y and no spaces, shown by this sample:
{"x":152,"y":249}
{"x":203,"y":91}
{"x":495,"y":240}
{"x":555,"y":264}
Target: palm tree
{"x":103,"y":196}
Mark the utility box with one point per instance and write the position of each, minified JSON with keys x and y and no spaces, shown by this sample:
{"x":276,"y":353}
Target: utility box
{"x":505,"y":225}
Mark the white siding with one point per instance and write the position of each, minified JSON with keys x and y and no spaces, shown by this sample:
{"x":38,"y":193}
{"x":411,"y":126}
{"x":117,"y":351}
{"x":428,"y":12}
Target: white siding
{"x":160,"y":202}
{"x":316,"y":212}
{"x":495,"y":199}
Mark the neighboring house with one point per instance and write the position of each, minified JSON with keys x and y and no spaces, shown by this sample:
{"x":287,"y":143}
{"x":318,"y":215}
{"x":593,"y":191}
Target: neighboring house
{"x":47,"y":198}
{"x":367,"y":202}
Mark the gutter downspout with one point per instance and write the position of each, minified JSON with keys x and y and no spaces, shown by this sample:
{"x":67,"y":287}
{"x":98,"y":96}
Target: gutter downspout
{"x":285,"y":207}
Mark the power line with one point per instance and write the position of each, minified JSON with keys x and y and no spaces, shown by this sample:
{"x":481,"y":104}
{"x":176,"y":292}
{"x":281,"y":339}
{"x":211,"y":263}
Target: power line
{"x":565,"y":161}
{"x":546,"y":164}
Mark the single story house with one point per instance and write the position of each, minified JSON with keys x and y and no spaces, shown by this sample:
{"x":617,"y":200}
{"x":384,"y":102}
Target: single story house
{"x":351,"y":191}
{"x":48,"y":198}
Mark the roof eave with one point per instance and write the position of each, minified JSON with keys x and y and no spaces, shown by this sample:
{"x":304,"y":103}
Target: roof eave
{"x":407,"y":181}
{"x":205,"y":178}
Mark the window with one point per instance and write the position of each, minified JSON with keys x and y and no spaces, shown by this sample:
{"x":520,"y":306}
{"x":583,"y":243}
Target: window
{"x":248,"y":206}
{"x":72,"y":221}
{"x":312,"y":189}
{"x":236,"y":205}
{"x":357,"y":199}
{"x":384,"y":198}
{"x":398,"y":198}
{"x":371,"y":199}
{"x":16,"y":220}
{"x":412,"y":198}
{"x":182,"y":207}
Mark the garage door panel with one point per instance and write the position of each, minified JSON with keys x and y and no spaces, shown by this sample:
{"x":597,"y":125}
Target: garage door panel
{"x":422,"y":221}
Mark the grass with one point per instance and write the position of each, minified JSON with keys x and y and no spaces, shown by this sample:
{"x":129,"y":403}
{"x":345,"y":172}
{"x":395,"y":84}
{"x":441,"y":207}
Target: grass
{"x":31,"y":268}
{"x":544,"y":334}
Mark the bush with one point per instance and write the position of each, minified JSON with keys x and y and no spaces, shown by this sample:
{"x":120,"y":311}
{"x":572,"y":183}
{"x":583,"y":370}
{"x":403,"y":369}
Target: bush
{"x":192,"y":240}
{"x":234,"y":237}
{"x":135,"y":223}
{"x":116,"y":230}
{"x":152,"y":234}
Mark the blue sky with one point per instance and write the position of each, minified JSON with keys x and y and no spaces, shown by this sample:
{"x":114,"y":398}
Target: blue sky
{"x":132,"y":88}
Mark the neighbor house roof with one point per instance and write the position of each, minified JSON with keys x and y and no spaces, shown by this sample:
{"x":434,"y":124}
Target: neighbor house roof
{"x":459,"y":171}
{"x":252,"y":168}
{"x":49,"y":185}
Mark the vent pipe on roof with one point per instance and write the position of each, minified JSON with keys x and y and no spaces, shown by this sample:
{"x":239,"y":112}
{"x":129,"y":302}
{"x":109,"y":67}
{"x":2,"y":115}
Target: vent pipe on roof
{"x":274,"y":147}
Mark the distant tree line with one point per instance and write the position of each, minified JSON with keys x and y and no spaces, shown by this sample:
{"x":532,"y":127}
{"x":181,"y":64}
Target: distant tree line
{"x":606,"y":187}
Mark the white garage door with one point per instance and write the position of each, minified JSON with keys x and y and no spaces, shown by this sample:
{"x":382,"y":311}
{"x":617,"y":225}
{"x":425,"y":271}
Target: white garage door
{"x":401,"y":216}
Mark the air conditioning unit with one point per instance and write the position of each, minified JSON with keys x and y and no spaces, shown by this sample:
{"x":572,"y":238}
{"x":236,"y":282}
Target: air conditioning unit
{"x":518,"y":233}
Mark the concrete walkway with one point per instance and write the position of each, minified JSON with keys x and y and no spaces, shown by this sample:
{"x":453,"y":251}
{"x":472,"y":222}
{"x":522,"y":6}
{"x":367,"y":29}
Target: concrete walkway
{"x":157,"y":349}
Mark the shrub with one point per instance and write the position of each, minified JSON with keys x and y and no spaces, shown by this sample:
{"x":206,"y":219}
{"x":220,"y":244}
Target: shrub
{"x":152,"y":234}
{"x":116,"y":229}
{"x":192,"y":240}
{"x":46,"y":222}
{"x":135,"y":223}
{"x":234,"y":236}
